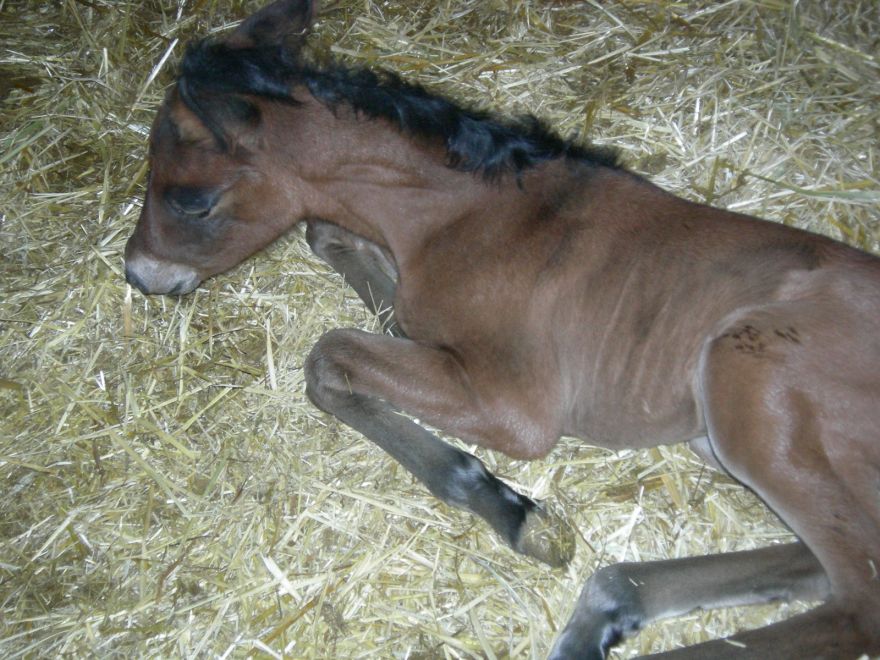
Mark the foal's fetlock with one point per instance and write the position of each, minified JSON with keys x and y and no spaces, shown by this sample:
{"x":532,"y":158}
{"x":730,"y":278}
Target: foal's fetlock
{"x":546,"y":537}
{"x":608,"y":611}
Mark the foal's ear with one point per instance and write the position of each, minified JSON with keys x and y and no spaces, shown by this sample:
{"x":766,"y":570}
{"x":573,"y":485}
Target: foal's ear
{"x":183,"y":123}
{"x":283,"y":23}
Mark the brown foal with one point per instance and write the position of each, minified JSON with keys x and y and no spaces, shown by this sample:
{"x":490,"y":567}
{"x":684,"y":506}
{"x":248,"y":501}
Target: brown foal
{"x":532,"y":288}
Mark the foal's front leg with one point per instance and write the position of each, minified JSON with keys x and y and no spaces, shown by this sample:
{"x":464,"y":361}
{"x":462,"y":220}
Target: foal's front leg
{"x":366,"y":380}
{"x":366,"y":267}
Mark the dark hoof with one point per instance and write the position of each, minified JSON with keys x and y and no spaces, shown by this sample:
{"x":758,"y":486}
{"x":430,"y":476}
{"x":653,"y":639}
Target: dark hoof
{"x":546,"y":537}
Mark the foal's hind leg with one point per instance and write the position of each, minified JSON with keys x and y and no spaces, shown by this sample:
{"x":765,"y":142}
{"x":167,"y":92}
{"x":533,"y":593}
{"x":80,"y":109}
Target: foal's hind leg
{"x":791,"y":407}
{"x":365,"y":380}
{"x":366,"y":267}
{"x":620,"y":599}
{"x":792,"y":413}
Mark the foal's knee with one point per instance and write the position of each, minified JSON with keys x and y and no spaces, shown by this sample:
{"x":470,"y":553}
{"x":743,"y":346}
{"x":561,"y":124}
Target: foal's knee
{"x":325,"y":370}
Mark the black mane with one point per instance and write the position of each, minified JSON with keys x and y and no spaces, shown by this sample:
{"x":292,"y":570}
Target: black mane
{"x":214,"y":78}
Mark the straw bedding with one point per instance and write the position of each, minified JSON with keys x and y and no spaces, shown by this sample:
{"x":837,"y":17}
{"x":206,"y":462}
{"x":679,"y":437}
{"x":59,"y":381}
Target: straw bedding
{"x":166,"y":488}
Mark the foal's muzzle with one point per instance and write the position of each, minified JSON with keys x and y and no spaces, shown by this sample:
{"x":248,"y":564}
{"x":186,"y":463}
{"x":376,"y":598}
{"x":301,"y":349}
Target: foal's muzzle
{"x":154,"y":276}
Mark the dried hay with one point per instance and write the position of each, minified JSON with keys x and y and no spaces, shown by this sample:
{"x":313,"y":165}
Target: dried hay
{"x":167,"y":488}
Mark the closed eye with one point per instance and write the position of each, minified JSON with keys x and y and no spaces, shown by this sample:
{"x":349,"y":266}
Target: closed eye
{"x":193,"y":203}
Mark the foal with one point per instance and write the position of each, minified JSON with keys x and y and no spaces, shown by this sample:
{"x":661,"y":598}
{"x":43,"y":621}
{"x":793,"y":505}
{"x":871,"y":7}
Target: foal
{"x":532,"y":288}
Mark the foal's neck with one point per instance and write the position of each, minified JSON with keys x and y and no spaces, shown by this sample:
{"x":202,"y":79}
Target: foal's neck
{"x":392,"y":188}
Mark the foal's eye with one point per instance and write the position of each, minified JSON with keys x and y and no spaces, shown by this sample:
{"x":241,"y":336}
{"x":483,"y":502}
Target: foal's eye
{"x":191,"y":202}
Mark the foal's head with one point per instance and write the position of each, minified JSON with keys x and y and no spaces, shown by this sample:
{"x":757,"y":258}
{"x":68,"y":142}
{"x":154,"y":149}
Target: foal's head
{"x":211,"y":200}
{"x":230,"y":146}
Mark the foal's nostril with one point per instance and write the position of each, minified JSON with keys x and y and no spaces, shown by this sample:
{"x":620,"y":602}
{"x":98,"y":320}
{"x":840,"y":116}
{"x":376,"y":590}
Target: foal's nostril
{"x":132,"y":278}
{"x":178,"y":289}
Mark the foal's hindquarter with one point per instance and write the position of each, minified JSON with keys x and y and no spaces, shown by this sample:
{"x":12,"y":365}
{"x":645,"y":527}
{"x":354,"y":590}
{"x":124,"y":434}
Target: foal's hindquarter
{"x":585,"y":301}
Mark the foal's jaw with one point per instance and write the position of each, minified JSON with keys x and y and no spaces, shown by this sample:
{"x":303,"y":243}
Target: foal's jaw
{"x":155,"y":276}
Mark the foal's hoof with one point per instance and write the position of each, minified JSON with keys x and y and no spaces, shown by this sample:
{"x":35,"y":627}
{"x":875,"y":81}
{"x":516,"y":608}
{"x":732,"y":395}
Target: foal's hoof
{"x":547,"y":537}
